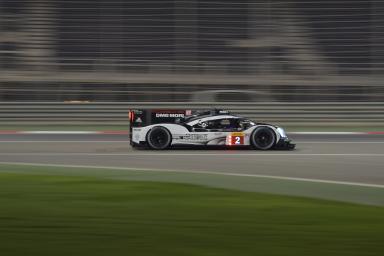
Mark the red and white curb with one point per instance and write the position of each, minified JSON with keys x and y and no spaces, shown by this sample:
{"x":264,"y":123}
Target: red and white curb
{"x":3,"y":132}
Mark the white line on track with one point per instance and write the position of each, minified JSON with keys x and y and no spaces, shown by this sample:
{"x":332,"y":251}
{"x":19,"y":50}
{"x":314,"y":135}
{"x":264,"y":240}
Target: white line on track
{"x":124,"y":132}
{"x":203,"y":172}
{"x":58,"y":132}
{"x":328,"y":133}
{"x":339,"y":142}
{"x":207,"y":154}
{"x":127,"y":141}
{"x":65,"y":141}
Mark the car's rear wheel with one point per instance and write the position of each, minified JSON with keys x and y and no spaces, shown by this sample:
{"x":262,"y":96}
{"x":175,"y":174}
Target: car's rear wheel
{"x":159,"y":138}
{"x":263,"y":138}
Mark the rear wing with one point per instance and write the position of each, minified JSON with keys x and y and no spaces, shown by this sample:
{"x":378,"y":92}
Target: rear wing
{"x":144,"y":117}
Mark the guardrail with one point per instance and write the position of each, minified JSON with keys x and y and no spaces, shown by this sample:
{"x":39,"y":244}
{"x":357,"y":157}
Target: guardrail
{"x":109,"y":113}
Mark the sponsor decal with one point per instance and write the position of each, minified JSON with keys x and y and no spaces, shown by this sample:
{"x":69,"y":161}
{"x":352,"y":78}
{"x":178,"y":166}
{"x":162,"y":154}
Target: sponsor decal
{"x":172,"y":115}
{"x":194,"y":137}
{"x":237,"y":134}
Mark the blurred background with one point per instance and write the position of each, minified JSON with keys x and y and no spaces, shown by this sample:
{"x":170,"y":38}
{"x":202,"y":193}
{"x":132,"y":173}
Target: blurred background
{"x":297,"y":54}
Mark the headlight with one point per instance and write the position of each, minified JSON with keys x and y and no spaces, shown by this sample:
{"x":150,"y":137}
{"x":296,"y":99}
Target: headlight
{"x":281,"y":132}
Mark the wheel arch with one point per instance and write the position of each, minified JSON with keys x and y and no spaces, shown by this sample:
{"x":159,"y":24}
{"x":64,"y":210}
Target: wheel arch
{"x":253,"y":128}
{"x":271,"y":127}
{"x":147,"y":140}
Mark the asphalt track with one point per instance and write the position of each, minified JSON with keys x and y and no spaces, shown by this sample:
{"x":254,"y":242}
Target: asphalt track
{"x":344,"y":158}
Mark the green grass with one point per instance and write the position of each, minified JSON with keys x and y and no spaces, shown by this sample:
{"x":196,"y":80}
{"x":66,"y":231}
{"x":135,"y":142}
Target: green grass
{"x":320,"y":190}
{"x":58,"y":215}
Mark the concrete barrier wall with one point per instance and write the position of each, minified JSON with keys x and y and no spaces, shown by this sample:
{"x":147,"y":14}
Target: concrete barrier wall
{"x":348,"y":113}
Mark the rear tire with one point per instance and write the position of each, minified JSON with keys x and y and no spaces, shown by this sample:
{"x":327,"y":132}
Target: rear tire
{"x":159,"y":138}
{"x":263,"y":138}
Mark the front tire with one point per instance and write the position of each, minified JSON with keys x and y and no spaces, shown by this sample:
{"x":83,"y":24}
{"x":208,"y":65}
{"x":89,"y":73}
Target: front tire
{"x":159,"y":138}
{"x":263,"y":138}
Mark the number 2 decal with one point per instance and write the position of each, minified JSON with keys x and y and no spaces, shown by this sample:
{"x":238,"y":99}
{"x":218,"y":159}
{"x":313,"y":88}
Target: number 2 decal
{"x":235,"y":138}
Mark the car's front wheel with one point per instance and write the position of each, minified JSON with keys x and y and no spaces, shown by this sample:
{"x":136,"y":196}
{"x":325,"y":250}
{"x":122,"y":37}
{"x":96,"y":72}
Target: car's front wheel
{"x":159,"y":138}
{"x":263,"y":138}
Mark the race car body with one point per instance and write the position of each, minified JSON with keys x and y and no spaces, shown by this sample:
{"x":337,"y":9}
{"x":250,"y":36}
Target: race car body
{"x":161,"y":129}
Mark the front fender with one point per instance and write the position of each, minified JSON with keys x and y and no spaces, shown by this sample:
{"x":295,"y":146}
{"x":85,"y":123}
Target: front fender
{"x":249,"y":132}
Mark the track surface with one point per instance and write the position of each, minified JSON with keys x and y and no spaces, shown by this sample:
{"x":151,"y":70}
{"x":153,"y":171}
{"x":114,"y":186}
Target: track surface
{"x":346,"y":158}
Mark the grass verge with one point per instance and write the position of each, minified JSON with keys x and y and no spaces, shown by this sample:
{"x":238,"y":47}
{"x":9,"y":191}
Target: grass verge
{"x":320,"y":190}
{"x":62,"y":215}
